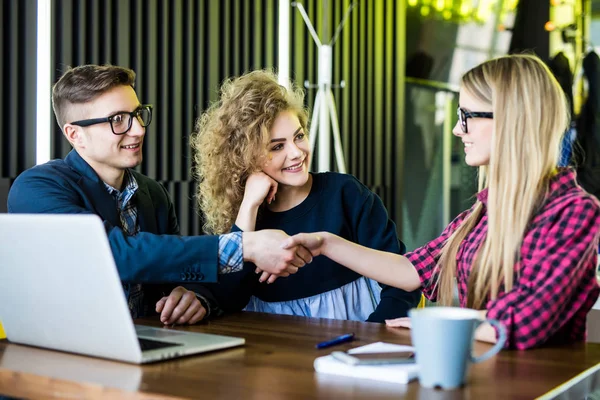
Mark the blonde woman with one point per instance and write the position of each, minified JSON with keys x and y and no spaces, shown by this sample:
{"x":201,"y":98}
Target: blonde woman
{"x":252,"y":155}
{"x":525,"y":253}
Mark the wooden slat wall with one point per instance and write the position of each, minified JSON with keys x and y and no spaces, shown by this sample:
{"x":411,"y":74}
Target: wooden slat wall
{"x":17,"y":80}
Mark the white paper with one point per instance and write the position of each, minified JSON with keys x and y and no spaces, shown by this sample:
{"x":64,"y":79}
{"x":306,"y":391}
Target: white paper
{"x":395,"y":373}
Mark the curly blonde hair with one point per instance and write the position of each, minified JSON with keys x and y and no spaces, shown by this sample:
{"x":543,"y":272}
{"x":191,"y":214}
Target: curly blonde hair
{"x":230,"y":141}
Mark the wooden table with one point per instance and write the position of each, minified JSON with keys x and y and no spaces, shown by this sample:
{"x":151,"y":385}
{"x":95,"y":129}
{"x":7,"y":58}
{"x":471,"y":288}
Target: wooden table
{"x":276,"y":362}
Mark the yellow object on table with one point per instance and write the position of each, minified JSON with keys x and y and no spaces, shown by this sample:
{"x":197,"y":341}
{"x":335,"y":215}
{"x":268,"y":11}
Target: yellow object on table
{"x":2,"y":334}
{"x":421,"y":302}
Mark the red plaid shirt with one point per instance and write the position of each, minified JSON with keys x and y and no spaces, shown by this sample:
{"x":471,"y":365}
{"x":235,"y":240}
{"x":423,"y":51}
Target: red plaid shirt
{"x":556,"y":285}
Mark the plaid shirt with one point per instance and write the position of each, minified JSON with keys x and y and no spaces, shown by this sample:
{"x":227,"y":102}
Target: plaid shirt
{"x":128,"y":217}
{"x":231,"y":258}
{"x":555,"y":280}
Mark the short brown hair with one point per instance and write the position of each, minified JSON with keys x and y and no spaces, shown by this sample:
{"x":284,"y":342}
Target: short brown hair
{"x":84,"y":83}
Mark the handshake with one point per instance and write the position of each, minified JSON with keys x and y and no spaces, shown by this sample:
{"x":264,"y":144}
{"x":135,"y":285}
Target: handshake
{"x":276,"y":254}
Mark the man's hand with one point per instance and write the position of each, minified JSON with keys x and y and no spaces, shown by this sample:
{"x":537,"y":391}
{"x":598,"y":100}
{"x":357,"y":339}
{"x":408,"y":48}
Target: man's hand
{"x":264,"y":249}
{"x":180,"y":307}
{"x":313,"y":242}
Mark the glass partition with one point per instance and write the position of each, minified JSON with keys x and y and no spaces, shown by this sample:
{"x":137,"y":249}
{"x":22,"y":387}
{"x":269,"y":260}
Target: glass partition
{"x":437,"y":183}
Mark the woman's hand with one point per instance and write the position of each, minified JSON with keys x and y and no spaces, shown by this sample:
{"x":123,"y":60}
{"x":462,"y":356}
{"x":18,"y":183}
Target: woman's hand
{"x":259,"y":187}
{"x":398,"y":322}
{"x":484,"y":332}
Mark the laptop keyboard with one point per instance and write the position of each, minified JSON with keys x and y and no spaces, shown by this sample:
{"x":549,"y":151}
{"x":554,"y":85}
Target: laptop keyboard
{"x":147,"y":344}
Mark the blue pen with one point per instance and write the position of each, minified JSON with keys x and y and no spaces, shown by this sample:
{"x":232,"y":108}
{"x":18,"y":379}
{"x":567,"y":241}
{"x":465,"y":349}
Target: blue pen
{"x":348,"y":337}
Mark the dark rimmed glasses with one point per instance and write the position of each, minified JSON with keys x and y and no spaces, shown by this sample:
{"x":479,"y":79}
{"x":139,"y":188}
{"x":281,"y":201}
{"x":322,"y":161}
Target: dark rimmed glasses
{"x":463,"y":115}
{"x":121,"y":122}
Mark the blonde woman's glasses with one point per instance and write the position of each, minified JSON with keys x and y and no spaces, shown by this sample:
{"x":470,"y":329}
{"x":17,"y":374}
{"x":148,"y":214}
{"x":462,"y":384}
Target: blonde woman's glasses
{"x":464,"y":115}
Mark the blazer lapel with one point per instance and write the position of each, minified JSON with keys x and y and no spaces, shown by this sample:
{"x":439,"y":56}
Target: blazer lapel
{"x":92,"y":185}
{"x":145,"y":207}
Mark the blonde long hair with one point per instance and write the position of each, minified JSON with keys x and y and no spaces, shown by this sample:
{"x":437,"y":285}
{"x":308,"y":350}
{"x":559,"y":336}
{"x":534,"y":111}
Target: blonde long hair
{"x":530,"y":118}
{"x":230,"y":141}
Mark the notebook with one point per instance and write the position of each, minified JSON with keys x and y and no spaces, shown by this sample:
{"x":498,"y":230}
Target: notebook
{"x":395,"y":373}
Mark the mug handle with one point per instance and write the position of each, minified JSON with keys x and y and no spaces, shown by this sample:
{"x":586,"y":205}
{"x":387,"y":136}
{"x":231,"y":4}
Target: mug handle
{"x":497,"y":347}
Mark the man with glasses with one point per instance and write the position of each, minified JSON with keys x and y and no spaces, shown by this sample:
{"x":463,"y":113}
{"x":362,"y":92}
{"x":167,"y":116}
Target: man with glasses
{"x":101,"y":117}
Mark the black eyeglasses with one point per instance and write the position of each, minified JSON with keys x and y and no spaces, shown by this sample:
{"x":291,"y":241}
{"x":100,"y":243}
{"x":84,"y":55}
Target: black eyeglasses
{"x":463,"y":115}
{"x":121,"y":122}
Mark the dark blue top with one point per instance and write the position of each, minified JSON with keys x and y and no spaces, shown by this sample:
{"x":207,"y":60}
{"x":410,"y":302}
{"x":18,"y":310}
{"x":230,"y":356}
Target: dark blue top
{"x":337,"y":203}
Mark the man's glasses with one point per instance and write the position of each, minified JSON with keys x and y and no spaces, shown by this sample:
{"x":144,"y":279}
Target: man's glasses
{"x":121,"y":122}
{"x":463,"y":115}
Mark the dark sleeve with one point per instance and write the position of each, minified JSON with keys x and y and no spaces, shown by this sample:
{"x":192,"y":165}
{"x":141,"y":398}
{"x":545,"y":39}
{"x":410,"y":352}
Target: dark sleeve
{"x":173,"y":223}
{"x":143,"y":258}
{"x":233,"y":291}
{"x":374,"y":229}
{"x":154,"y":292}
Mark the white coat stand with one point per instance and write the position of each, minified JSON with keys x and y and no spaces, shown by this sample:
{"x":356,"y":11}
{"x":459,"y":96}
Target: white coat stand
{"x":324,"y":111}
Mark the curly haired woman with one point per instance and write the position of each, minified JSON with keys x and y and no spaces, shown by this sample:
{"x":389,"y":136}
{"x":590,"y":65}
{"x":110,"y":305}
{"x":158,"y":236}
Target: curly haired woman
{"x":252,"y":157}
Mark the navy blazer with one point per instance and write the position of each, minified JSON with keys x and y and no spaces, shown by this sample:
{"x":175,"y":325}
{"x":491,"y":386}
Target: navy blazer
{"x":157,"y":254}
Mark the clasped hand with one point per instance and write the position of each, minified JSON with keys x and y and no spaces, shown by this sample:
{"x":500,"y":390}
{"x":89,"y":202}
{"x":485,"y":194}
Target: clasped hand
{"x":180,"y":307}
{"x":271,"y":258}
{"x":296,"y":251}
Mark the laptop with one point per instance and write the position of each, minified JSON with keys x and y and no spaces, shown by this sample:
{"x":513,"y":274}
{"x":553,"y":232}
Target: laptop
{"x":60,"y":289}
